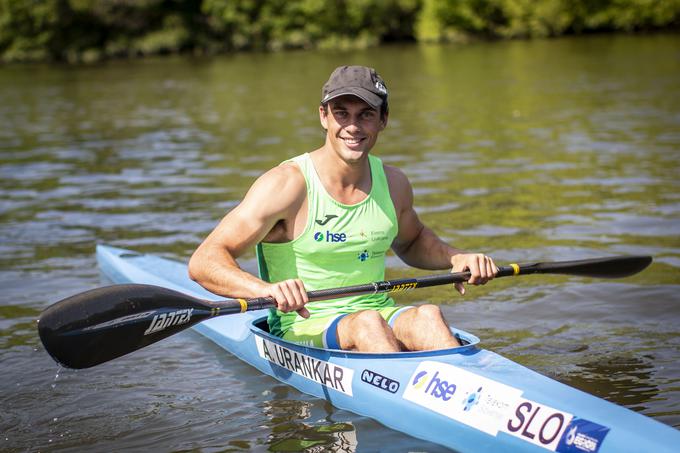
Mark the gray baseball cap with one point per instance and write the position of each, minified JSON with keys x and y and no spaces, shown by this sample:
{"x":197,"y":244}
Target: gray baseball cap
{"x":358,"y":81}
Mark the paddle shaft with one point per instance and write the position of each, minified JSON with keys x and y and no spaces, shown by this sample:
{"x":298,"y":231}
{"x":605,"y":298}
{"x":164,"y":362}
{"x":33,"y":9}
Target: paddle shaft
{"x":229,"y":306}
{"x":96,"y":326}
{"x":609,"y":267}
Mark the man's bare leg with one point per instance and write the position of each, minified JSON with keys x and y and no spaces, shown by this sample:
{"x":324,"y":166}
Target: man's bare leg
{"x":424,"y":328}
{"x":366,"y":331}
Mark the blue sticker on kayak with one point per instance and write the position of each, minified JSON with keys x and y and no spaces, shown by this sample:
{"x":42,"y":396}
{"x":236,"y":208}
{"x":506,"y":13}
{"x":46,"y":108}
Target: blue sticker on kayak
{"x":582,"y":436}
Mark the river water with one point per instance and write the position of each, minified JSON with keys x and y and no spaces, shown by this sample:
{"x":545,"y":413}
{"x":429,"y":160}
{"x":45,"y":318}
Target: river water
{"x":528,"y":151}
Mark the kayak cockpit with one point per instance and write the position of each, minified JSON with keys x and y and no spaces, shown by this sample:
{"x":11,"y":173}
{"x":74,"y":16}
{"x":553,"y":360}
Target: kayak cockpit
{"x":468,"y":341}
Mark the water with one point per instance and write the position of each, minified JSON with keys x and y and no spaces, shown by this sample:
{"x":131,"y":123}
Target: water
{"x":543,"y":150}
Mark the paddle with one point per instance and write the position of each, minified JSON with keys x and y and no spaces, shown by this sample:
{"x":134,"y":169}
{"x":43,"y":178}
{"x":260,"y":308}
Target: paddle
{"x":99,"y":325}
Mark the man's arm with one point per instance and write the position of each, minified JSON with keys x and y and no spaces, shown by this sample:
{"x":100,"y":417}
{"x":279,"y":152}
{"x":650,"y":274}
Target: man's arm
{"x":419,"y":246}
{"x":213,"y":264}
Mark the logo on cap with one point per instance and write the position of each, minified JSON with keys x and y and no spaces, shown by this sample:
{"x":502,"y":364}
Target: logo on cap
{"x":380,"y":87}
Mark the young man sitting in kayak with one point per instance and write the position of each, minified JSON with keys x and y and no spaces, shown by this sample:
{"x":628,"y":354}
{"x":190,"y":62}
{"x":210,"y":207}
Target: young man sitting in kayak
{"x":326,"y":219}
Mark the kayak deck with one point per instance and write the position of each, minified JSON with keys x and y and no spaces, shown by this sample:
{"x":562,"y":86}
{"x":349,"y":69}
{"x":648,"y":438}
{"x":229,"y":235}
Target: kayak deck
{"x":465,"y":398}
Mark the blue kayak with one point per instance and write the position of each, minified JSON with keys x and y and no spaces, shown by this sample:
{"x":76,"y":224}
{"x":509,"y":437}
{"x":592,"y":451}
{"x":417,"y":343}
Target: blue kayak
{"x":465,"y":398}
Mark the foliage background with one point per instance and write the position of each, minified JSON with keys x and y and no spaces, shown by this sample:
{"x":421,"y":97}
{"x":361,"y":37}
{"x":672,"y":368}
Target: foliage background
{"x":89,"y":30}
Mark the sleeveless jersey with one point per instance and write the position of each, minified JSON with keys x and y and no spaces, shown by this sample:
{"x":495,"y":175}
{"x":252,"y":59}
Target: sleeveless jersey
{"x":341,"y":245}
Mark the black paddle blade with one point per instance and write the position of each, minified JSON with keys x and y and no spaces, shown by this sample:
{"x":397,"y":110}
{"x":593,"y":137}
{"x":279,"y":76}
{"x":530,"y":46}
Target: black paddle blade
{"x":612,"y":267}
{"x":99,"y":325}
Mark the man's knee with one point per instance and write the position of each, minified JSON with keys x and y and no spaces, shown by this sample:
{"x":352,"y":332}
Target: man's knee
{"x":424,"y":329}
{"x":366,"y":331}
{"x":370,"y":320}
{"x":429,"y":313}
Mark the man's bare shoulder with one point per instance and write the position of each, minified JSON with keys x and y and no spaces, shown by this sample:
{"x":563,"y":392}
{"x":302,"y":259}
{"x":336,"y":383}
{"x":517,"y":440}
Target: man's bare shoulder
{"x":286,"y":177}
{"x":395,"y":175}
{"x":400,"y":186}
{"x":283,"y":184}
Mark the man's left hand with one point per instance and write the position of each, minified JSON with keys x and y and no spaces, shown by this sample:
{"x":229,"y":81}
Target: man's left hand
{"x":481,"y":267}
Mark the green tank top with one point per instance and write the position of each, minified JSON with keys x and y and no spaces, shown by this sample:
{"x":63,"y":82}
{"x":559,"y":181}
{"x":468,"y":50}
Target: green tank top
{"x":341,"y":245}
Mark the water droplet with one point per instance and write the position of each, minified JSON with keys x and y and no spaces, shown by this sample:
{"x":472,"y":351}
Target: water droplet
{"x":56,"y":376}
{"x":55,"y":419}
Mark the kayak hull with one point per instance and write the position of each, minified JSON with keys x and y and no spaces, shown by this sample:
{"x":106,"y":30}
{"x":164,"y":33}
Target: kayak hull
{"x":466,"y":398}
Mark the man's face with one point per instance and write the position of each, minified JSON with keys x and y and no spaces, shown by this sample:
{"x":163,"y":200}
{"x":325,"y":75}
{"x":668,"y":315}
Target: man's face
{"x":352,"y":126}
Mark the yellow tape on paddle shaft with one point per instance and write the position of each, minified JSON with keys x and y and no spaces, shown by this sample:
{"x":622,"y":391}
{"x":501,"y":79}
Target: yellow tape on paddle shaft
{"x":515,"y":268}
{"x":244,"y":305}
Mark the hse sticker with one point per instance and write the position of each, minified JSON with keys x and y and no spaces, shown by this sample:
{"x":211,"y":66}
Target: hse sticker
{"x":325,"y":373}
{"x":474,"y":400}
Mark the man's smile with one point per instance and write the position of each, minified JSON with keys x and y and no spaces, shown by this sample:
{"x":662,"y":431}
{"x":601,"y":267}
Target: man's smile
{"x":351,"y":141}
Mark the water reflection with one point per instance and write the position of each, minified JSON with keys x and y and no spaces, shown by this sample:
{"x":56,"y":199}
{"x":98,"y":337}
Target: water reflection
{"x":618,"y":378}
{"x":292,"y":429}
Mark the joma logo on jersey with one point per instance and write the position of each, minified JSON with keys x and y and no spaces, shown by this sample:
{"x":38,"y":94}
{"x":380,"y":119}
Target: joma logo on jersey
{"x":328,"y":218}
{"x":330,"y":237}
{"x":165,"y":320}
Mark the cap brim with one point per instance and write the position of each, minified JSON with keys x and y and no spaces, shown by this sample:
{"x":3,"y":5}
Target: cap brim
{"x":369,"y":98}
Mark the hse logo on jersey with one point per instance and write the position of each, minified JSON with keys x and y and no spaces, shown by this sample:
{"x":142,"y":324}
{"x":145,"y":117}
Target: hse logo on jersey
{"x":471,"y":399}
{"x":329,"y":236}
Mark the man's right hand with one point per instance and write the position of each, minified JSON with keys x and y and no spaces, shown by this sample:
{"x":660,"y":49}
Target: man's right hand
{"x":290,"y":295}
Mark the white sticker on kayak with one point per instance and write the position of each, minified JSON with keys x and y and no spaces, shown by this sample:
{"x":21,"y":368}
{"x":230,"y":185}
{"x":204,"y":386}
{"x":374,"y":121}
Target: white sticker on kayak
{"x":537,"y":423}
{"x":471,"y":399}
{"x":325,"y":373}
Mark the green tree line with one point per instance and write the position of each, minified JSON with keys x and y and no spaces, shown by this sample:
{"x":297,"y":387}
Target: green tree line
{"x":89,"y":30}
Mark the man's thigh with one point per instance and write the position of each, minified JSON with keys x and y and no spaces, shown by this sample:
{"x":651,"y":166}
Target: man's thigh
{"x":321,"y":331}
{"x":362,"y":326}
{"x":317,"y":331}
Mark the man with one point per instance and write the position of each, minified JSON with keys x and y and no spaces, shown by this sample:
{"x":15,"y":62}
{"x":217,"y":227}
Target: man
{"x":325,"y":219}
